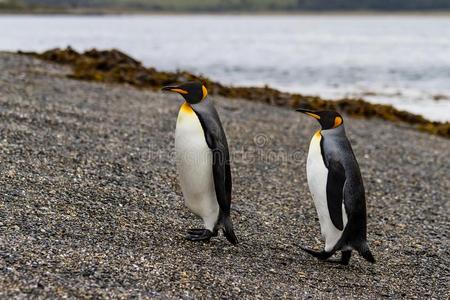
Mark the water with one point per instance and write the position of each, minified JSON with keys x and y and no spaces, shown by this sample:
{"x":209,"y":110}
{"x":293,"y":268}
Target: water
{"x":400,"y":60}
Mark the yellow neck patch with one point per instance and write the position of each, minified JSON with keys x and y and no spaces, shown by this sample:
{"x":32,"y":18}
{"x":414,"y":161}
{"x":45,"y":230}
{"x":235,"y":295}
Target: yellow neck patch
{"x":317,"y":135}
{"x":186,"y":108}
{"x":186,"y":112}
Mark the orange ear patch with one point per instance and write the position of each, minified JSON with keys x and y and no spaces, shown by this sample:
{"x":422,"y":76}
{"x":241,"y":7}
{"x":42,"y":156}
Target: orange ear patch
{"x":205,"y":92}
{"x":337,"y":122}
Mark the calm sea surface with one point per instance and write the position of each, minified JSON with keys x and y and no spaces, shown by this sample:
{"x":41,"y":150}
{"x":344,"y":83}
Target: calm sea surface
{"x":402,"y":60}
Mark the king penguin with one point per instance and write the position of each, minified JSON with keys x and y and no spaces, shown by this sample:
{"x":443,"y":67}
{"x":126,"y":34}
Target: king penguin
{"x":203,"y":162}
{"x":336,"y":185}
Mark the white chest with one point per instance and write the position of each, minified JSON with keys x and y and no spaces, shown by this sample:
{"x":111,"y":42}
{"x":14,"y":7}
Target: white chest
{"x":317,"y":178}
{"x":194,"y":164}
{"x":317,"y":174}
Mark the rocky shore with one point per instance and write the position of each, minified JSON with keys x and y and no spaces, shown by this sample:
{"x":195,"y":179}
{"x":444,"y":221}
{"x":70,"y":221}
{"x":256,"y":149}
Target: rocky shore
{"x":114,"y":66}
{"x":90,"y":205}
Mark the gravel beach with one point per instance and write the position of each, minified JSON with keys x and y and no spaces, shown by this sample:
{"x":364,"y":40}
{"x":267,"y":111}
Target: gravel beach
{"x":90,"y":205}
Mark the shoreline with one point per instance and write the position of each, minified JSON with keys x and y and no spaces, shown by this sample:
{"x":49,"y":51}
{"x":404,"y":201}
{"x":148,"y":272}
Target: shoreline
{"x":115,"y":66}
{"x":349,"y":13}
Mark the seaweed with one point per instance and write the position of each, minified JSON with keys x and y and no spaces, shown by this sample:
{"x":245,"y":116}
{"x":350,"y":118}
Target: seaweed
{"x":114,"y":66}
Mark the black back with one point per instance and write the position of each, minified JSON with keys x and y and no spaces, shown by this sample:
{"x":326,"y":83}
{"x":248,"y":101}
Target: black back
{"x":345,"y":185}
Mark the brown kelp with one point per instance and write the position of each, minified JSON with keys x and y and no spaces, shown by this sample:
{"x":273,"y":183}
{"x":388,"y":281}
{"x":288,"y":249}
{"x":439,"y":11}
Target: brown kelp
{"x":114,"y":66}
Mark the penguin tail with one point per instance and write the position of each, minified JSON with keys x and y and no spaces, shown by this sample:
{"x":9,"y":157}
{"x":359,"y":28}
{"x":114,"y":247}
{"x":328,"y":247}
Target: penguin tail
{"x":228,"y":230}
{"x":364,"y":251}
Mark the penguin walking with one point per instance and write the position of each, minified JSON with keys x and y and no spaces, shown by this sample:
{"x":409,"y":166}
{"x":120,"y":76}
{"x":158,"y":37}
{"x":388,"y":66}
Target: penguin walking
{"x":203,"y":162}
{"x":336,"y":185}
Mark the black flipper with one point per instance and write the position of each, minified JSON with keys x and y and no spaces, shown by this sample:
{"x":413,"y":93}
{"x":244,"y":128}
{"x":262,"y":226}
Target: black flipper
{"x":222,"y":178}
{"x":335,"y":195}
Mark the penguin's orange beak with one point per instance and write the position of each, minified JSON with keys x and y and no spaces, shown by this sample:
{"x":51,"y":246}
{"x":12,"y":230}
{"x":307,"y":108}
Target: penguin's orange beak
{"x":175,"y":89}
{"x":309,"y":113}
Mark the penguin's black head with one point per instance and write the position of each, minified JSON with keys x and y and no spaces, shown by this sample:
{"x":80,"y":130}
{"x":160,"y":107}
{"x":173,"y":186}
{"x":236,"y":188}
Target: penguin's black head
{"x":327,"y":119}
{"x":193,"y":92}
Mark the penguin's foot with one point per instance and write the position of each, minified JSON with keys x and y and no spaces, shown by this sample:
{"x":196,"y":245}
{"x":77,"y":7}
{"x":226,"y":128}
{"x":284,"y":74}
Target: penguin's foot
{"x":200,"y":234}
{"x":336,"y":261}
{"x":345,"y":258}
{"x":197,"y":231}
{"x":322,"y":255}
